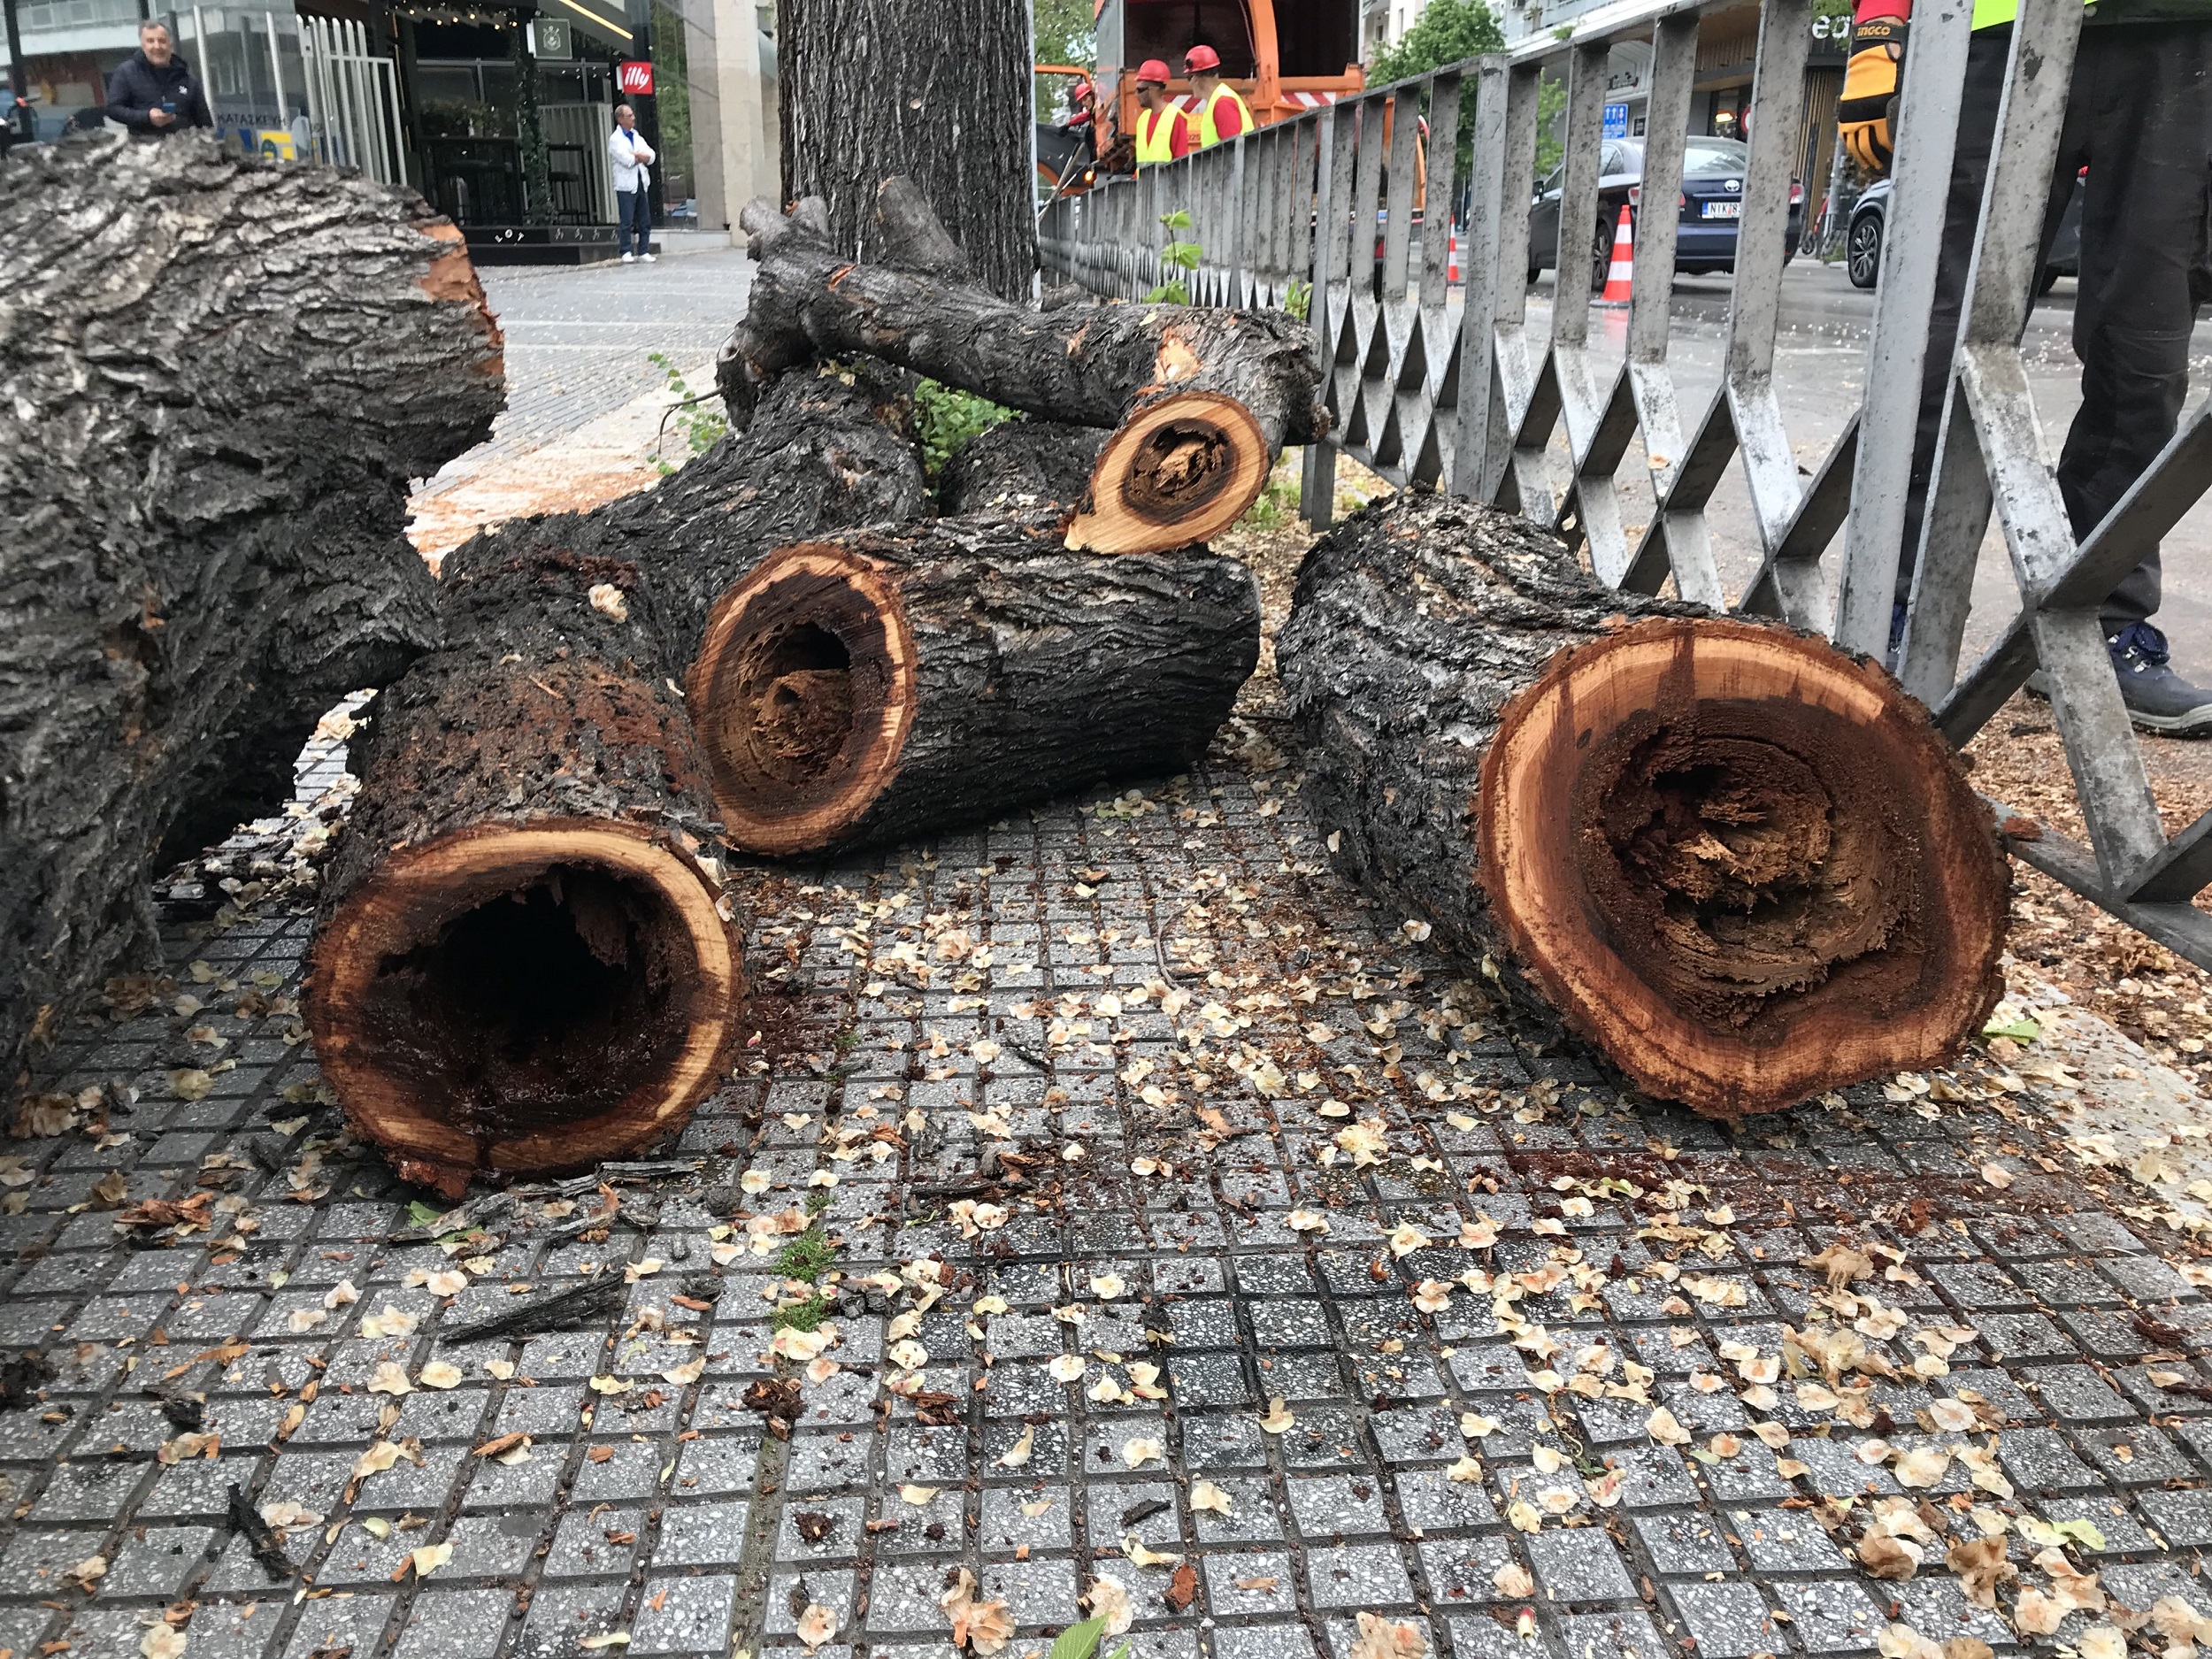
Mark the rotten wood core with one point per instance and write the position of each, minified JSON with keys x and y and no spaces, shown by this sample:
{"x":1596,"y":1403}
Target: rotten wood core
{"x":1183,"y":467}
{"x":524,"y":999}
{"x":1741,"y":863}
{"x":524,"y":962}
{"x":885,"y":682}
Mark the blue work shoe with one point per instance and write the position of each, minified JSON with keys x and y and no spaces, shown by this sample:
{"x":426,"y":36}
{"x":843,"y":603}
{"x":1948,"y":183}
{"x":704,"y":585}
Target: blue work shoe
{"x":2159,"y":700}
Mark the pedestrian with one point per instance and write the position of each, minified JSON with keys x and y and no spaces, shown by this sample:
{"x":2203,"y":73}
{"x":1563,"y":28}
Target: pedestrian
{"x":628,"y":157}
{"x":1164,"y":131}
{"x":153,"y":91}
{"x":1221,"y":114}
{"x":2138,"y":117}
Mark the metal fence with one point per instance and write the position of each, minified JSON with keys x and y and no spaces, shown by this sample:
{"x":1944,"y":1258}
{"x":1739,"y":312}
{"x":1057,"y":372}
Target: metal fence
{"x":1428,"y":388}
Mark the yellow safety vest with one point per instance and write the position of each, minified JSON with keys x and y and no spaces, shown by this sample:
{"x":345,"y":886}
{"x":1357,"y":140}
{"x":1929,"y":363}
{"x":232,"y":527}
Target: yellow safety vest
{"x":1209,"y":133}
{"x":1156,"y":135}
{"x":1989,"y":13}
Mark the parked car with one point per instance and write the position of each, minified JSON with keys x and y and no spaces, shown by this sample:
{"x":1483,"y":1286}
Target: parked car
{"x":1869,"y":215}
{"x":1709,"y":205}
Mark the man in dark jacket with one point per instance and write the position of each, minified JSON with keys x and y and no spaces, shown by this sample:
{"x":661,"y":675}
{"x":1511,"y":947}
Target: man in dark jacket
{"x":153,"y":91}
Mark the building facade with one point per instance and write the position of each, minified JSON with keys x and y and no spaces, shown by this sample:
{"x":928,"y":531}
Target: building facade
{"x":497,"y":111}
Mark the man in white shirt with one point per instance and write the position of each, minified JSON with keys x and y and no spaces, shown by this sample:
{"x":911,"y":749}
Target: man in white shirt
{"x":628,"y":156}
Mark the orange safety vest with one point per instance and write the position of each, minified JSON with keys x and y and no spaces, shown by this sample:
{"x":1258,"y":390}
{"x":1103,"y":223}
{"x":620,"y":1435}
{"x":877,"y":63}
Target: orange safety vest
{"x":1156,"y":135}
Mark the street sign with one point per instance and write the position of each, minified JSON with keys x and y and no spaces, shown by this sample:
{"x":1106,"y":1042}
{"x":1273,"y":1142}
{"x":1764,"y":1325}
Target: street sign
{"x":636,"y":79}
{"x":549,"y":37}
{"x":1617,"y":120}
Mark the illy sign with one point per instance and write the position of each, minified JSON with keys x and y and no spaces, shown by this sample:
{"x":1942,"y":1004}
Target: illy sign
{"x":636,"y":79}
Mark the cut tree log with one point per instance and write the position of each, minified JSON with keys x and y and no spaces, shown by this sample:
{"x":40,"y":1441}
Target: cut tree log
{"x":524,"y":962}
{"x":1019,"y":466}
{"x":1200,"y":401}
{"x":824,"y":452}
{"x":222,"y":374}
{"x":876,"y":685}
{"x":1741,"y":863}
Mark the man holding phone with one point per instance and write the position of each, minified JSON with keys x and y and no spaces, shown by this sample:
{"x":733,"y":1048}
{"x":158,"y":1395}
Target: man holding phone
{"x":153,"y":91}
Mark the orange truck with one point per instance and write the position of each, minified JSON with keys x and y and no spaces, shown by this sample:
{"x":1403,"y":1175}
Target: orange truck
{"x":1285,"y":56}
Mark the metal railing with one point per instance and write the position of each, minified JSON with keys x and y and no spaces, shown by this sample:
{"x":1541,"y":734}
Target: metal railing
{"x":1457,"y":395}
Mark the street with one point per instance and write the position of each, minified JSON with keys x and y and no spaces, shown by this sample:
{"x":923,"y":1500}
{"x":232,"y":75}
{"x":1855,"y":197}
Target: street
{"x":1820,"y":370}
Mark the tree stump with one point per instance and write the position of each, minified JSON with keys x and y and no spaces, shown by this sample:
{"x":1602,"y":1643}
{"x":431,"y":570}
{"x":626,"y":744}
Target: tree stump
{"x":874,"y":686}
{"x":222,"y":374}
{"x":1200,"y":401}
{"x":524,"y":962}
{"x":1019,"y":466}
{"x":1741,"y":863}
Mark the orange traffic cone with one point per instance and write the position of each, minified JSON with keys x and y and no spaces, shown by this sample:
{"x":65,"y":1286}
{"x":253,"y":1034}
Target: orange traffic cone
{"x":1451,"y":269}
{"x":1619,"y":274}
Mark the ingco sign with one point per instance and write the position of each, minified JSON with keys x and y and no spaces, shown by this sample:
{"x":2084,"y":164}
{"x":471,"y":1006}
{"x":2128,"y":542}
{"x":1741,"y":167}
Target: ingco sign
{"x":636,"y":79}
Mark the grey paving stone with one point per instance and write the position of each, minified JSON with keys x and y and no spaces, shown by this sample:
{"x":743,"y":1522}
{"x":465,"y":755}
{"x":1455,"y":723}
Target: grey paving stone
{"x":1832,"y":1617}
{"x":1582,"y":1566}
{"x":1728,"y":1621}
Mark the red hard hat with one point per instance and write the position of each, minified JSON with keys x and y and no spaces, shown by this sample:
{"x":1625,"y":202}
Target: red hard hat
{"x":1153,"y":69}
{"x":1201,"y":58}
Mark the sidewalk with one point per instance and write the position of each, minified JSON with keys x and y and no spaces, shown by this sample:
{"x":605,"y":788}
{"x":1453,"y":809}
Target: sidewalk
{"x":1116,"y":1207}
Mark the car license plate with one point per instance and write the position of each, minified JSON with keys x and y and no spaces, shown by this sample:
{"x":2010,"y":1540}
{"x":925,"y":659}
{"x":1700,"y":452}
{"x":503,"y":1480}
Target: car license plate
{"x":1724,"y":210}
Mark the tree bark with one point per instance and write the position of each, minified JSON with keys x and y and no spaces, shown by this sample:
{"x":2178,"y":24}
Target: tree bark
{"x":946,"y":91}
{"x":877,"y":685}
{"x":1202,"y":400}
{"x":824,"y":452}
{"x":1019,"y":466}
{"x":1740,"y":862}
{"x":221,"y":376}
{"x":523,"y":963}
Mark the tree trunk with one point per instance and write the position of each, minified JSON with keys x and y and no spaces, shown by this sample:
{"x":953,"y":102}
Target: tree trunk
{"x":880,"y":684}
{"x":824,"y":452}
{"x":1202,"y":400}
{"x":523,"y":963}
{"x":1019,"y":466}
{"x":945,"y":91}
{"x":221,"y":376}
{"x":1741,"y":863}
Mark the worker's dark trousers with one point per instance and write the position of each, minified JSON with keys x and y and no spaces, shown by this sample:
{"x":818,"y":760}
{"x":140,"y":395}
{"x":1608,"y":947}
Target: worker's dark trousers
{"x":2140,"y":118}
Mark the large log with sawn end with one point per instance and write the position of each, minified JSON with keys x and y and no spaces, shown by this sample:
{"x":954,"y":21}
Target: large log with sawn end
{"x":220,"y":376}
{"x":1741,"y":863}
{"x":524,"y":961}
{"x":1200,"y":401}
{"x":874,"y":686}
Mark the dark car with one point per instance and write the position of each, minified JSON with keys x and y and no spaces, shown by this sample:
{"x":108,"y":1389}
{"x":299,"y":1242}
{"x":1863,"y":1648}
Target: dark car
{"x":1869,"y":217}
{"x":1711,"y":203}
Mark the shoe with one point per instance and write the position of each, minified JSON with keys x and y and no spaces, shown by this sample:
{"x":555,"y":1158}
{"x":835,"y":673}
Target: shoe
{"x":650,"y":258}
{"x":629,"y":258}
{"x":2158,"y":699}
{"x":1896,"y":632}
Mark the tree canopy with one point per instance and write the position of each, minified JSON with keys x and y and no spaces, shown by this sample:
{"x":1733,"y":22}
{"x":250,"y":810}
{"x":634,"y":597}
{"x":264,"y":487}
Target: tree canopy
{"x":1446,"y":32}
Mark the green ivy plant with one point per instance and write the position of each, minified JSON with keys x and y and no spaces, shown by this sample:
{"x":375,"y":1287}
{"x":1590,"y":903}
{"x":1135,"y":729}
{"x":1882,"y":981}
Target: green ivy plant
{"x":1176,"y":255}
{"x":945,"y":418}
{"x":697,"y":416}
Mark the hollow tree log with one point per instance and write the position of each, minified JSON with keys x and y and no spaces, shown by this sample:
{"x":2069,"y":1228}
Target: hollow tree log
{"x":220,"y":376}
{"x":1740,"y":861}
{"x":1200,"y":401}
{"x":1019,"y":466}
{"x":876,"y":685}
{"x":524,"y":962}
{"x":824,"y":452}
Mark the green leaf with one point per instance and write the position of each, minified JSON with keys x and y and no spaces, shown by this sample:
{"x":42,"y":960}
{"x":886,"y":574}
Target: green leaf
{"x":2082,"y":1532}
{"x":421,"y":1214}
{"x":1080,"y":1642}
{"x":2021,"y":1030}
{"x":1180,"y":219}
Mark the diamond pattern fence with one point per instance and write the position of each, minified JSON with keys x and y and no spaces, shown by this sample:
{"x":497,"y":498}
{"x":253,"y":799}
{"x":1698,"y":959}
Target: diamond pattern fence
{"x":1431,"y":385}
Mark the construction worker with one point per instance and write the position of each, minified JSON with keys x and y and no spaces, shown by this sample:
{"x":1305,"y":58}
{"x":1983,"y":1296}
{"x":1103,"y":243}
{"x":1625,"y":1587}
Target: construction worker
{"x":1164,"y":131}
{"x":2138,"y":118}
{"x":1220,"y":112}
